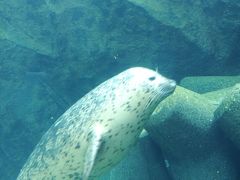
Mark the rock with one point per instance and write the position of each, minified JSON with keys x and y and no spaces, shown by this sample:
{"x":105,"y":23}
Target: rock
{"x":27,"y":110}
{"x":218,"y":95}
{"x":30,"y":29}
{"x":184,"y":127}
{"x":204,"y":84}
{"x":201,"y":22}
{"x":228,"y":114}
{"x":144,"y":162}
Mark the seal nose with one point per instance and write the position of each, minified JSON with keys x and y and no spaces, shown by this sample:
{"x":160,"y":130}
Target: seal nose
{"x":170,"y":86}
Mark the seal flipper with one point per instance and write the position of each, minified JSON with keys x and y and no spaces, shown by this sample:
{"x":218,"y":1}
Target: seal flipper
{"x":143,"y":133}
{"x":92,"y":150}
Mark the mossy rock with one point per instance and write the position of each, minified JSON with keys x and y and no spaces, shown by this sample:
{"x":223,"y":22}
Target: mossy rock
{"x":31,"y":29}
{"x":144,"y":162}
{"x":229,"y":115}
{"x":184,"y":127}
{"x":204,"y":84}
{"x":183,"y":113}
{"x":218,"y":96}
{"x":199,"y":21}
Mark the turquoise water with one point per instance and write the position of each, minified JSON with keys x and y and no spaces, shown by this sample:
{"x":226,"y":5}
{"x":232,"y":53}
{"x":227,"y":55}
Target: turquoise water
{"x":53,"y":52}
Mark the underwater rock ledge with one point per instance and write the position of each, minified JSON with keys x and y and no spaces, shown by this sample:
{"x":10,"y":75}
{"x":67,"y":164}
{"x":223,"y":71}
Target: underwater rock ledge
{"x":229,"y":115}
{"x":184,"y":127}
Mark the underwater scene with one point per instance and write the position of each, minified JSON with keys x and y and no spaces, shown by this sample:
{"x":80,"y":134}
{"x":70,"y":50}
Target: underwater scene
{"x":120,"y":89}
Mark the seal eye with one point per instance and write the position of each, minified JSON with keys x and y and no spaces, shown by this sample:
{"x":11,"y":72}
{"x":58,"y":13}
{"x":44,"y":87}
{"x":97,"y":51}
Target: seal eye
{"x":152,"y":78}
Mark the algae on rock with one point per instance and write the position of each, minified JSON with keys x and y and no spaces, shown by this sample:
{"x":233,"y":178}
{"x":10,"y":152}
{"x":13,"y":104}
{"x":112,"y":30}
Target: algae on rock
{"x":184,"y":127}
{"x":204,"y":84}
{"x":32,"y":30}
{"x":199,"y":21}
{"x":144,"y":162}
{"x":229,"y":115}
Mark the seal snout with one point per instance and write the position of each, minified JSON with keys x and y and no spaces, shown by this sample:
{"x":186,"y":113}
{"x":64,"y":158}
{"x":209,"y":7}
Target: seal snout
{"x":169,"y":86}
{"x":172,"y":84}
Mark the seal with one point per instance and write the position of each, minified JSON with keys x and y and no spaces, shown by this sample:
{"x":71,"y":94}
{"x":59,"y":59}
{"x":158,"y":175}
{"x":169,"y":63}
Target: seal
{"x":99,"y":129}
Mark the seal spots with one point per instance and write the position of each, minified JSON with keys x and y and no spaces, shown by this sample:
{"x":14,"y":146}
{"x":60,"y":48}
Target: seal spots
{"x":115,"y":151}
{"x":147,"y":91}
{"x":132,"y":131}
{"x":139,"y":104}
{"x":122,"y":149}
{"x":102,"y":159}
{"x":77,"y":146}
{"x":74,"y":175}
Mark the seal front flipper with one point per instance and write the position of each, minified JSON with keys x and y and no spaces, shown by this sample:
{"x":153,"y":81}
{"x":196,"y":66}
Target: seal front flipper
{"x":92,"y":150}
{"x":143,"y":133}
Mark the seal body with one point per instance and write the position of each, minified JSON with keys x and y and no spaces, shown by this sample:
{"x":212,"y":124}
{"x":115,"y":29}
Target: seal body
{"x":98,"y":130}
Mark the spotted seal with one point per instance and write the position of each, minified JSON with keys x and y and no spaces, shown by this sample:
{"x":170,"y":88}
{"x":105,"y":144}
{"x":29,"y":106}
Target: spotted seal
{"x":98,"y":130}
